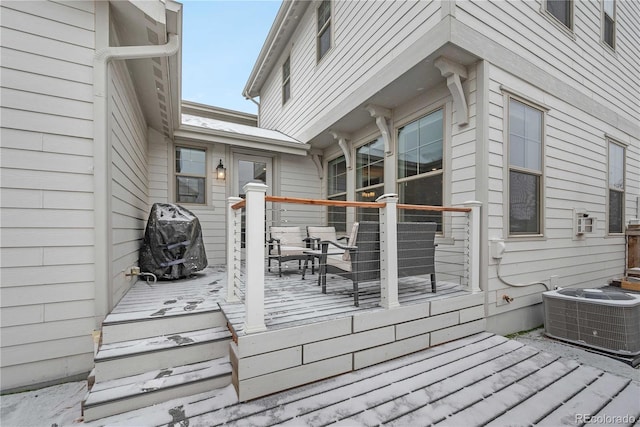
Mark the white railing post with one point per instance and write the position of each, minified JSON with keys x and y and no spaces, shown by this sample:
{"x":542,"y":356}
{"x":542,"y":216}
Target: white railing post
{"x":234,"y":220}
{"x":389,"y":251}
{"x":254,"y":242}
{"x":473,"y":246}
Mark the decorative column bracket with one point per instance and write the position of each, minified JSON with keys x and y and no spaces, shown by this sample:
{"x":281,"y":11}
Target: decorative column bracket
{"x":316,"y":161}
{"x":455,"y":73}
{"x":342,"y":143}
{"x":381,"y":115}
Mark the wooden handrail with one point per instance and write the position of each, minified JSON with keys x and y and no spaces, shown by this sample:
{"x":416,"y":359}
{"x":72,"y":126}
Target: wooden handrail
{"x":344,"y":203}
{"x":432,"y":208}
{"x":241,"y":204}
{"x":319,"y":202}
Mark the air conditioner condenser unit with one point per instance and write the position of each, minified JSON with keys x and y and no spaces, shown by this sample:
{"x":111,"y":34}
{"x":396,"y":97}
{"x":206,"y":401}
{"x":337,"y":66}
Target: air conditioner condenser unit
{"x":605,"y":320}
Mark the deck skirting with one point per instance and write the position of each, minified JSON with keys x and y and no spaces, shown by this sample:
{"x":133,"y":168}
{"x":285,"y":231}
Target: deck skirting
{"x":276,"y":360}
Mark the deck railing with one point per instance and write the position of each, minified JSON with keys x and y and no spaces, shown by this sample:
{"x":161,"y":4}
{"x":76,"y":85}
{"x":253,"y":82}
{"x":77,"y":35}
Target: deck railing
{"x":461,"y":241}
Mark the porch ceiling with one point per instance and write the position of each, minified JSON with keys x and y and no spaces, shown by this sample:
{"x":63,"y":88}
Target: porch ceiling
{"x":156,"y":80}
{"x":417,"y":81}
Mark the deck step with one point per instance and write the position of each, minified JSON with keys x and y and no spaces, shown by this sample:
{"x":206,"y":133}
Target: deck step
{"x":123,"y":359}
{"x":120,"y":327}
{"x":127,"y":394}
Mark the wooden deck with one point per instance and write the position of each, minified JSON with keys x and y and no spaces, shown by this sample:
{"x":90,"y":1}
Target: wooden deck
{"x":289,"y":300}
{"x":483,"y":379}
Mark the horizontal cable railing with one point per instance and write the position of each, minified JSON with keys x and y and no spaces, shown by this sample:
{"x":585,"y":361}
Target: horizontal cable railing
{"x":451,"y":254}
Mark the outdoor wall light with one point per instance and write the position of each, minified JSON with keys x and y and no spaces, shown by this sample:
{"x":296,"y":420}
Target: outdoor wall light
{"x":221,"y":172}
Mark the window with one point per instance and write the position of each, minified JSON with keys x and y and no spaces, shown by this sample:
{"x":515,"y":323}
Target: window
{"x":324,"y":28}
{"x":337,"y":190}
{"x":286,"y":80}
{"x":525,"y":168}
{"x":616,"y":187}
{"x":609,"y":23}
{"x":191,"y":178}
{"x":562,"y":10}
{"x":369,"y":177}
{"x":420,"y":147}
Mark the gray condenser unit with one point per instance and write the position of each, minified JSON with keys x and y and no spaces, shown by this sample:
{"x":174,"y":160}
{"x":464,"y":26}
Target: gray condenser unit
{"x":605,"y":320}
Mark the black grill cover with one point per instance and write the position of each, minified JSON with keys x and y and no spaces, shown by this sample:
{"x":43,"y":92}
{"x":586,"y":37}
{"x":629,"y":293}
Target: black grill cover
{"x":172,"y":247}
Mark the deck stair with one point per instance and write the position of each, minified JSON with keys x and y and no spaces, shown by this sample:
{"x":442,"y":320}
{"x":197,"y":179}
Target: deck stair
{"x":156,"y":351}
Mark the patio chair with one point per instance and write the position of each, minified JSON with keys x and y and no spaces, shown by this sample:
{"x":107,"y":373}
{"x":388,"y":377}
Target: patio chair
{"x":316,"y":234}
{"x":417,"y":250}
{"x":360,"y":261}
{"x":286,"y":244}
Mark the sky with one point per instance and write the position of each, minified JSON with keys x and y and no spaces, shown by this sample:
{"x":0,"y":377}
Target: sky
{"x":221,"y":42}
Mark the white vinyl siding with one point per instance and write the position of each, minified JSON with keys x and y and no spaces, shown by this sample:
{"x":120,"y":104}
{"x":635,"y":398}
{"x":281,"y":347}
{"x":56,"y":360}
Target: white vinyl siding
{"x":366,"y":36}
{"x":130,"y":177}
{"x":47,"y":219}
{"x":520,"y":28}
{"x":575,"y":171}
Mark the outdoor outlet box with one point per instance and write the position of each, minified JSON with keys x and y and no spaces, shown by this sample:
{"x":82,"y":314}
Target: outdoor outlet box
{"x":496,"y":248}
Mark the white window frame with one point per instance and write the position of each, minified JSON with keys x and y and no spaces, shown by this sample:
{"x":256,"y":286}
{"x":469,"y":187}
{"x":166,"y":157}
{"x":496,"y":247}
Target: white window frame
{"x":286,"y":80}
{"x":373,"y":187}
{"x":557,"y":22}
{"x":339,"y":194}
{"x":320,"y":31}
{"x":443,"y":172}
{"x":176,"y":174}
{"x":611,"y":187}
{"x":508,"y":97}
{"x":613,"y":18}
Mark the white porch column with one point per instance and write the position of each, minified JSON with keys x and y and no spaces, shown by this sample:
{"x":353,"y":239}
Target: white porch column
{"x":254,"y":242}
{"x":389,"y":251}
{"x":234,"y":218}
{"x":473,"y":247}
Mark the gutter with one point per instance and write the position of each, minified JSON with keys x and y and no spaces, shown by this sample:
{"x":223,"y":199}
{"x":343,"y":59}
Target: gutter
{"x":102,"y":160}
{"x":267,"y":48}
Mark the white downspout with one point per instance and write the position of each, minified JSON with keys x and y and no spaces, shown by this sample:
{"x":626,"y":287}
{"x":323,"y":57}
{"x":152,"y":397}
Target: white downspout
{"x":102,"y":160}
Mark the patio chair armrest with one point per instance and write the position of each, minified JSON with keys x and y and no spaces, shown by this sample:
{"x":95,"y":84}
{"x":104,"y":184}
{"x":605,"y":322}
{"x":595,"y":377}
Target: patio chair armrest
{"x":313,"y":242}
{"x":325,"y":246}
{"x":272,"y":246}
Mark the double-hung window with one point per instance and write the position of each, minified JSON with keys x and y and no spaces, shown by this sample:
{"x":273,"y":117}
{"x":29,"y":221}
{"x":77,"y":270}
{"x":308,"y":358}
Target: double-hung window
{"x":616,"y":187}
{"x":609,"y":23}
{"x":562,"y":10}
{"x":286,"y":80}
{"x":191,"y":175}
{"x":420,"y":170}
{"x":323,"y":34}
{"x":526,"y":125}
{"x":337,"y":190}
{"x":369,"y":177}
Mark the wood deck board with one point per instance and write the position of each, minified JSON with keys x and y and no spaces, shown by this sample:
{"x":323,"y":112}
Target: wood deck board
{"x":470,"y":381}
{"x":289,"y":300}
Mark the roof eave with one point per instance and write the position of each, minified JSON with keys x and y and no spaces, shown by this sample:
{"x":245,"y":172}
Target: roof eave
{"x":195,"y":133}
{"x":274,"y":44}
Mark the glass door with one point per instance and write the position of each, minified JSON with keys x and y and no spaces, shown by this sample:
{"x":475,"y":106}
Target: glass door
{"x":251,"y":169}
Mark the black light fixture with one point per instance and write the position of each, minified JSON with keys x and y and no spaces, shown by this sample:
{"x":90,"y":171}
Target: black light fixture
{"x":221,"y":172}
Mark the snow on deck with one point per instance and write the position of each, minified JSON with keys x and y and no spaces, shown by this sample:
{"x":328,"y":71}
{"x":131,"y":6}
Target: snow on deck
{"x":478,"y":380}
